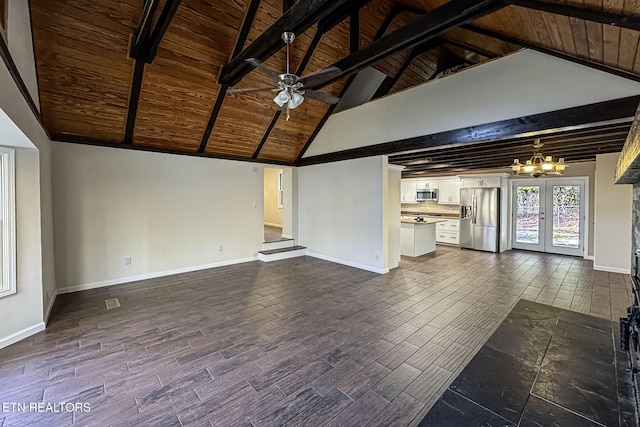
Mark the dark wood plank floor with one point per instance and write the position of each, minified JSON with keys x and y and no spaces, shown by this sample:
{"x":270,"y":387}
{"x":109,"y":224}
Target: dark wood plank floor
{"x":299,"y":342}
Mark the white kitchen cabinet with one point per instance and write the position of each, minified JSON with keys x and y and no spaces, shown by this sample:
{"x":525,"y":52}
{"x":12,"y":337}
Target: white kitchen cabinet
{"x":417,"y":238}
{"x":408,"y":192}
{"x":449,"y":192}
{"x":448,"y":232}
{"x":430,"y":184}
{"x":476,"y":182}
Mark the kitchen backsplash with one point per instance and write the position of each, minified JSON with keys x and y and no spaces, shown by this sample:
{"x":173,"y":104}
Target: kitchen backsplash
{"x":430,"y":207}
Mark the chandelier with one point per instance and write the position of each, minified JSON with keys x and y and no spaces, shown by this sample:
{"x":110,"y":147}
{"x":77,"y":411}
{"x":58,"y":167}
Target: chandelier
{"x":538,"y":164}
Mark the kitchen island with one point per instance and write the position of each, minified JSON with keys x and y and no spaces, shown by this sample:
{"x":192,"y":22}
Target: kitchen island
{"x":418,"y":237}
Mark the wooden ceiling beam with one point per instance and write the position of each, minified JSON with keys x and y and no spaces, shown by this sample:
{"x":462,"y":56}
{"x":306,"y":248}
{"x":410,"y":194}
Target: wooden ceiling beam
{"x":600,"y":16}
{"x":585,"y":115}
{"x":422,"y":29}
{"x":286,"y":5}
{"x":141,"y":35}
{"x":522,"y":152}
{"x":395,"y":11}
{"x":389,"y":83}
{"x":354,"y":31}
{"x":249,"y":16}
{"x":471,"y":48}
{"x":508,"y":146}
{"x":143,"y":49}
{"x":505,"y":162}
{"x":301,"y":16}
{"x":557,"y":54}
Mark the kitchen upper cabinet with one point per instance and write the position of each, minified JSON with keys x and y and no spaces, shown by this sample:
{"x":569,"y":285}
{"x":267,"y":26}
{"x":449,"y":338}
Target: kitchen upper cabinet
{"x":408,"y":191}
{"x":479,"y":182}
{"x":449,"y":192}
{"x":430,"y":184}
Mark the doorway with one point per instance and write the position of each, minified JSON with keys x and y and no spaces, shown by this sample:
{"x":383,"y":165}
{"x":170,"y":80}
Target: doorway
{"x":549,"y":215}
{"x":273,"y":204}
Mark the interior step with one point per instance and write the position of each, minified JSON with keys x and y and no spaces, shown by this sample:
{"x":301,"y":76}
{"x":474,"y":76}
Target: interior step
{"x":278,"y":244}
{"x":282,"y":253}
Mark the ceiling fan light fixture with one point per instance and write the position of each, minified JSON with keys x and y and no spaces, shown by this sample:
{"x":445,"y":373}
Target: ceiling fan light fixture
{"x":295,"y":101}
{"x":282,"y":98}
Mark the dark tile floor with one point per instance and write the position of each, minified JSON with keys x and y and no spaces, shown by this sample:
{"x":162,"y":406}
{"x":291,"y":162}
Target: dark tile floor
{"x":543,"y":366}
{"x":298,"y":342}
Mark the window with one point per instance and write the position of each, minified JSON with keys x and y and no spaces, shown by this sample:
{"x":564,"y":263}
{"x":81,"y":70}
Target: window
{"x":7,"y":222}
{"x":280,"y":190}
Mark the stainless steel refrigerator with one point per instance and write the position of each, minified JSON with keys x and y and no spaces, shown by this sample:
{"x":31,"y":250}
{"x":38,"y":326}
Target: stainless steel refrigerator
{"x":480,"y":219}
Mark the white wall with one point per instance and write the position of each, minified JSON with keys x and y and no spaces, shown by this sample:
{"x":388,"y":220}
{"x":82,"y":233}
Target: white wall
{"x":392,"y":215}
{"x":290,"y":205}
{"x":23,"y":313}
{"x":341,"y":212}
{"x":168,"y":213}
{"x":520,"y":84}
{"x":20,"y":45}
{"x":613,"y":209}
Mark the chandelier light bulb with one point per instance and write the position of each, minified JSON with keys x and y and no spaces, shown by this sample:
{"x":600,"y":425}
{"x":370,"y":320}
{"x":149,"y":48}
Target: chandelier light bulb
{"x":516,"y":167}
{"x":538,"y":164}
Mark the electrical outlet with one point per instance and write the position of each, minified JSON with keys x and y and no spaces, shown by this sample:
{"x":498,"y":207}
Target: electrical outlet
{"x":127,"y":261}
{"x":255,"y":169}
{"x":377,"y":257}
{"x":255,"y":204}
{"x":220,"y":248}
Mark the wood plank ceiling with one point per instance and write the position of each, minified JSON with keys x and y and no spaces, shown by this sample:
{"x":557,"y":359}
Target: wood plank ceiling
{"x":86,"y":76}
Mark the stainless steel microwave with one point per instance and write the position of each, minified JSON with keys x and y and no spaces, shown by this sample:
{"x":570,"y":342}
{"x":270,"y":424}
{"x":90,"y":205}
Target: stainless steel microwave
{"x":425,"y":194}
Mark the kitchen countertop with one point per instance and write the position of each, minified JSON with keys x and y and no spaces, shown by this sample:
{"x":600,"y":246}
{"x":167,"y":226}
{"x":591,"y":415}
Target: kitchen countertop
{"x":425,"y":222}
{"x":427,"y":215}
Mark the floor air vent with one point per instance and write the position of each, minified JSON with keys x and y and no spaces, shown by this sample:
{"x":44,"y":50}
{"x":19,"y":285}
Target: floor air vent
{"x":112,"y":303}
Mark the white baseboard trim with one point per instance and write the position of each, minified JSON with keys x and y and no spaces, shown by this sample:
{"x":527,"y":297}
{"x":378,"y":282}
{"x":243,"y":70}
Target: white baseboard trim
{"x":273,"y":225}
{"x":589,"y":257}
{"x":20,"y":335}
{"x":612,"y":269}
{"x":51,"y":303}
{"x":287,"y":236}
{"x":122,"y":280}
{"x":349,"y":263}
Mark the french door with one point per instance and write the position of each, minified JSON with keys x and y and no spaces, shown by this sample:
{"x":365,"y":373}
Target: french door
{"x":549,"y":215}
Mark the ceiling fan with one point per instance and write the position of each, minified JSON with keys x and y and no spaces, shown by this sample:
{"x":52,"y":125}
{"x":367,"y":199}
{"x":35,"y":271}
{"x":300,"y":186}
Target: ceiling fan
{"x":291,"y":88}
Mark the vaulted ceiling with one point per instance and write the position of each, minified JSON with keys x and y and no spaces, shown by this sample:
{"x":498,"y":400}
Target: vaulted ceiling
{"x":154,"y":74}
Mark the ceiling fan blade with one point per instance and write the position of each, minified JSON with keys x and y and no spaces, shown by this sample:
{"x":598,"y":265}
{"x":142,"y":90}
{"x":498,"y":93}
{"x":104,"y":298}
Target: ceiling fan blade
{"x":321,"y":96}
{"x":264,"y":69}
{"x":320,"y":76}
{"x":251,"y":89}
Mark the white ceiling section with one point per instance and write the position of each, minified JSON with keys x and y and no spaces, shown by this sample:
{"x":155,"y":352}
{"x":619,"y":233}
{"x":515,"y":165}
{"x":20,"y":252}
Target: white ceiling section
{"x":523,"y":83}
{"x":11,"y":135}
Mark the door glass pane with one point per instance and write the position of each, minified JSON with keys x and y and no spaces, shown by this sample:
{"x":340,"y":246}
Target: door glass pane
{"x":528,"y":214}
{"x":566,"y":216}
